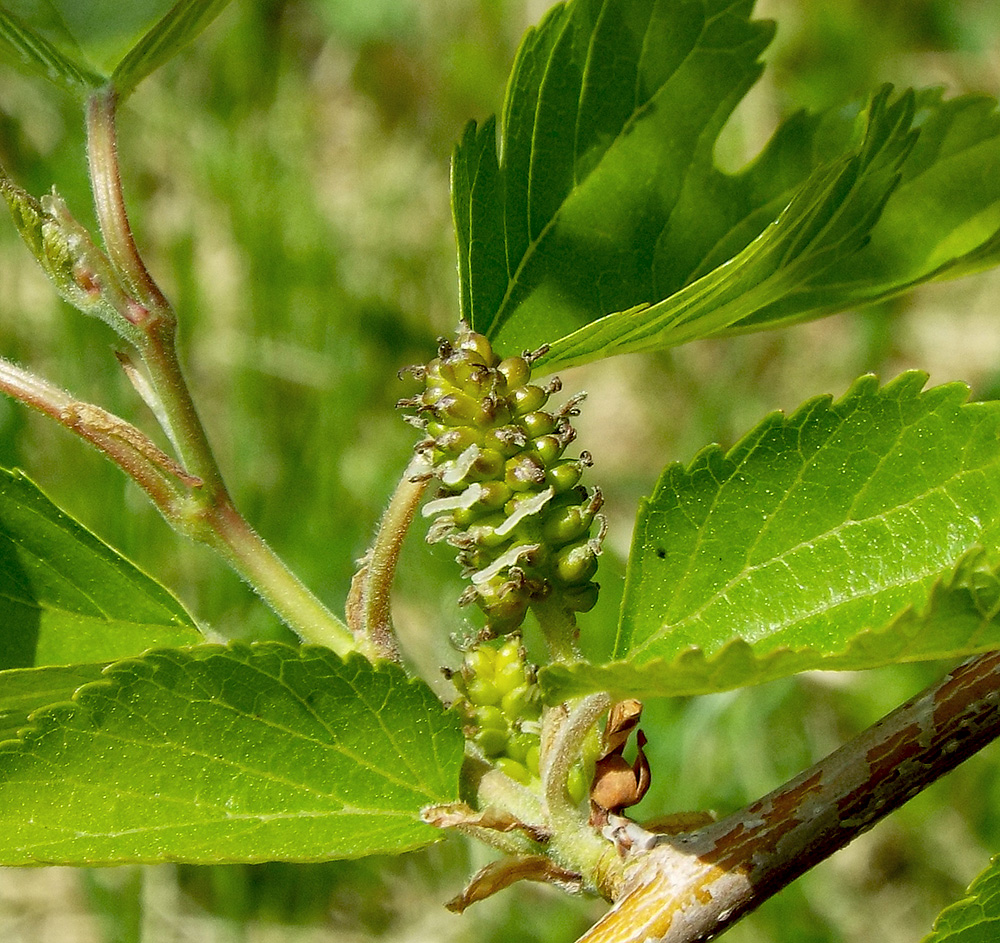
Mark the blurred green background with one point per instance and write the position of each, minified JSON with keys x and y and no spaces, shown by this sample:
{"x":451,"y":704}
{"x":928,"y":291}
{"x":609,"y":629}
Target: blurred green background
{"x":288,"y":177}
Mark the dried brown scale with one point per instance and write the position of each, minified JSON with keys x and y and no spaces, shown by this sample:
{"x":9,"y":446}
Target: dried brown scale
{"x":509,"y":500}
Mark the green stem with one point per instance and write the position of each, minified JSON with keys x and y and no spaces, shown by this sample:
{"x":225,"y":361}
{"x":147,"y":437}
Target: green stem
{"x":102,"y":155}
{"x":166,"y":482}
{"x":148,"y":309}
{"x":186,"y":432}
{"x":558,"y":625}
{"x":370,"y":615}
{"x":566,"y":726}
{"x":206,"y":513}
{"x":245,"y":551}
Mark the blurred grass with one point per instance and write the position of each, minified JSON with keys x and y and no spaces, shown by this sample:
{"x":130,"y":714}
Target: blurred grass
{"x":288,"y":177}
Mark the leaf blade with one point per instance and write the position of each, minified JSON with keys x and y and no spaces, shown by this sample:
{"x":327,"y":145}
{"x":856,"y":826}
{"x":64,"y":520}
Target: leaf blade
{"x":619,"y":232}
{"x":976,"y":917}
{"x":178,"y":26}
{"x":66,"y":597}
{"x":25,"y":690}
{"x":824,"y":539}
{"x":42,"y":57}
{"x":216,"y":753}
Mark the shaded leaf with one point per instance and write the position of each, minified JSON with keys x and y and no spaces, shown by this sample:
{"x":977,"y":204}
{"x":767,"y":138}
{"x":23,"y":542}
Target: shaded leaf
{"x":25,"y":690}
{"x":843,"y":536}
{"x":241,"y":753}
{"x":600,"y":224}
{"x":32,"y":50}
{"x":79,"y":45}
{"x":607,"y":105}
{"x":66,"y":597}
{"x":182,"y":23}
{"x":829,"y":218}
{"x":942,"y":221}
{"x":975,"y":918}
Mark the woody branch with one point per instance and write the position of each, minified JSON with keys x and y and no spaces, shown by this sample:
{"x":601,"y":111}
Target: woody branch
{"x":694,"y":886}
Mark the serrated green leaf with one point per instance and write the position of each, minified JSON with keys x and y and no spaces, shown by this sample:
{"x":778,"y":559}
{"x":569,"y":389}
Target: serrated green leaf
{"x":829,"y":218}
{"x":607,"y":103}
{"x":241,"y":753}
{"x":26,"y":690}
{"x":66,"y":597}
{"x":975,"y":918}
{"x":79,"y":45}
{"x":842,"y":536}
{"x":942,"y":221}
{"x":619,"y":233}
{"x":182,"y":23}
{"x":35,"y":52}
{"x":962,"y":616}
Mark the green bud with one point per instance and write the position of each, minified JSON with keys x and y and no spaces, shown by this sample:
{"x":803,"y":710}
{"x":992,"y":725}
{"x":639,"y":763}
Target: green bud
{"x":509,"y":653}
{"x":532,"y":760}
{"x":581,"y":598}
{"x":472,"y":378}
{"x":507,"y":440}
{"x":519,"y":703}
{"x":455,"y":408}
{"x":27,"y":214}
{"x":491,"y":741}
{"x":491,"y":718}
{"x":566,"y":524}
{"x":505,"y":611}
{"x":548,"y":448}
{"x":456,"y":439}
{"x":508,"y":674}
{"x":480,"y":662}
{"x":519,"y":745}
{"x":523,"y":471}
{"x":528,"y":399}
{"x":516,"y":370}
{"x":564,"y":475}
{"x":477,"y":347}
{"x":516,"y":771}
{"x":575,"y":564}
{"x":483,"y":692}
{"x":484,"y":532}
{"x":537,"y":423}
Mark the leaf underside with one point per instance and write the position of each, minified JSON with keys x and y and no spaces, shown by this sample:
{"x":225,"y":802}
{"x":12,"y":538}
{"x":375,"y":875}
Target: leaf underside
{"x":851,"y":534}
{"x":975,"y":918}
{"x":80,"y":46}
{"x":66,"y":597}
{"x":596,"y":221}
{"x":241,"y":753}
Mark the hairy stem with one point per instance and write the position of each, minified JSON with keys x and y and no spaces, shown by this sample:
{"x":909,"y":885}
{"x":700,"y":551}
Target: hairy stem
{"x":163,"y":479}
{"x":204,"y":511}
{"x":565,"y":730}
{"x":105,"y":176}
{"x":148,"y":310}
{"x":247,"y":553}
{"x":692,"y":887}
{"x":369,"y":610}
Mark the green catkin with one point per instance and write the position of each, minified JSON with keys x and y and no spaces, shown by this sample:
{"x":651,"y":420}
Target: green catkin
{"x":499,"y":698}
{"x":509,"y":501}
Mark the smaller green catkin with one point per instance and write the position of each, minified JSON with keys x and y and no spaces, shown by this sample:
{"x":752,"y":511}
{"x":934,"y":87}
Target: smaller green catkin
{"x":508,"y":500}
{"x":499,"y":698}
{"x":500,"y":701}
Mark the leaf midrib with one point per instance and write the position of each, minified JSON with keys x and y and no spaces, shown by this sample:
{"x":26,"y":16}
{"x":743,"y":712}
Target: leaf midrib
{"x":502,"y":316}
